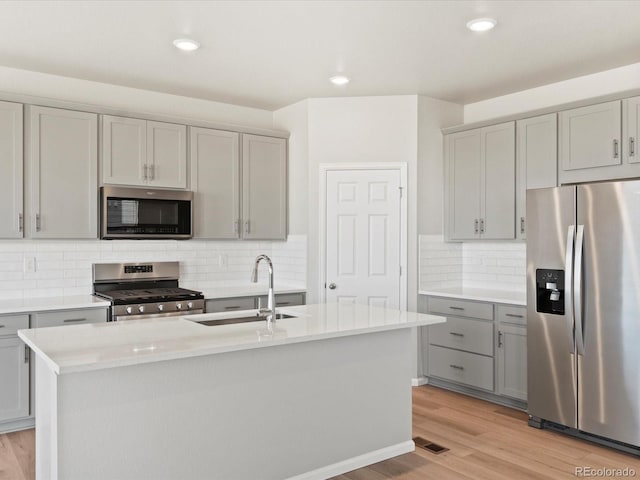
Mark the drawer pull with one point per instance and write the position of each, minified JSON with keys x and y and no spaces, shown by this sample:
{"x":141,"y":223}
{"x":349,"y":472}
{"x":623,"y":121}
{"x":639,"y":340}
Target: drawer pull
{"x":514,"y":315}
{"x":456,"y":308}
{"x":75,"y":320}
{"x":1,"y":326}
{"x":280,"y":304}
{"x":457,"y":367}
{"x":232,"y":307}
{"x":456,"y":334}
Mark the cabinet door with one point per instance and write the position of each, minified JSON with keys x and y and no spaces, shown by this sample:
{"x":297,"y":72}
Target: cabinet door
{"x":536,"y":161}
{"x":166,"y":155}
{"x":631,"y":129}
{"x":11,"y":171}
{"x":63,"y":162}
{"x":124,"y":150}
{"x":264,"y":187}
{"x":14,"y":378}
{"x":499,"y":181}
{"x":512,"y":361}
{"x":464,"y":169}
{"x":589,"y":142}
{"x":215,"y":180}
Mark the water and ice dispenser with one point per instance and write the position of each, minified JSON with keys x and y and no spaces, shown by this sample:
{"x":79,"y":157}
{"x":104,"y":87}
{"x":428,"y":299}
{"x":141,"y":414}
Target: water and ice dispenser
{"x":550,"y":291}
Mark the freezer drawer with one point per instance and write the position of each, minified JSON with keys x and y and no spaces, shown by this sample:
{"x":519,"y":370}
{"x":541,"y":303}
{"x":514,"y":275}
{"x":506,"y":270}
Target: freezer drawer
{"x":461,"y":367}
{"x":461,"y":308}
{"x":474,"y":336}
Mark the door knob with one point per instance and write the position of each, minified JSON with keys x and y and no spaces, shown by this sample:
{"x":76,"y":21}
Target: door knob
{"x":332,"y":286}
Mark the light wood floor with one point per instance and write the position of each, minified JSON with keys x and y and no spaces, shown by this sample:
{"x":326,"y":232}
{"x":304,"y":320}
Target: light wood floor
{"x":485,"y":441}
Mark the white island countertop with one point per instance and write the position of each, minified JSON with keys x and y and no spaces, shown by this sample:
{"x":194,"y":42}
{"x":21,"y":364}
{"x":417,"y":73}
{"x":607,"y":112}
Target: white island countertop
{"x":115,"y":344}
{"x":510,"y":297}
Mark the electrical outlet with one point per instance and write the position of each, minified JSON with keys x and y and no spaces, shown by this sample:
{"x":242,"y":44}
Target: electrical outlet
{"x":29,"y":264}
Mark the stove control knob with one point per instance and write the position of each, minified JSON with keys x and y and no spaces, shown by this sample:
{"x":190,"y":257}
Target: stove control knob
{"x":178,"y":306}
{"x":129,"y":310}
{"x":189,"y":305}
{"x":160,"y":307}
{"x":141,"y":308}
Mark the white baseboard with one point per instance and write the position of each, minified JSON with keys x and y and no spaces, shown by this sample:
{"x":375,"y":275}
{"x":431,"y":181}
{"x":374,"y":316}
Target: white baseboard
{"x":418,"y":382}
{"x":17,"y":425}
{"x":356,"y":462}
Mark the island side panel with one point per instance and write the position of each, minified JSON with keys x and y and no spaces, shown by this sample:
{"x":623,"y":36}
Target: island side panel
{"x":267,"y":413}
{"x":46,"y":427}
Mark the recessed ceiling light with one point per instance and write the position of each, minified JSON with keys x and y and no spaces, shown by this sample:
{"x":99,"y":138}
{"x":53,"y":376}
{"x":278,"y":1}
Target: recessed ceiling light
{"x":339,"y":80}
{"x":481,"y":24}
{"x":186,"y":44}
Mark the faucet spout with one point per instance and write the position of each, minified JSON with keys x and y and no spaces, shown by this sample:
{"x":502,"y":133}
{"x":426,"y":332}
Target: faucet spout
{"x":271,"y":300}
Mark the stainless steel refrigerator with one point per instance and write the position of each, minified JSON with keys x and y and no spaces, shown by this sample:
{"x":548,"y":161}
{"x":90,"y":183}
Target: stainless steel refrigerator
{"x":583,"y":310}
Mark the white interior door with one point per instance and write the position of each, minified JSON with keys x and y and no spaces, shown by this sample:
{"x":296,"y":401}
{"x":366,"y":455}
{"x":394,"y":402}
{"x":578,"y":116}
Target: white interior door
{"x":363,"y":237}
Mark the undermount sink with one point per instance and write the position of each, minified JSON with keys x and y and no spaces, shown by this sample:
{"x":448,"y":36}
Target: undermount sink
{"x":252,"y":318}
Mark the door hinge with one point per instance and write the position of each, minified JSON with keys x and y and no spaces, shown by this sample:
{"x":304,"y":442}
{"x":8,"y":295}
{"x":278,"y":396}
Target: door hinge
{"x":400,"y":188}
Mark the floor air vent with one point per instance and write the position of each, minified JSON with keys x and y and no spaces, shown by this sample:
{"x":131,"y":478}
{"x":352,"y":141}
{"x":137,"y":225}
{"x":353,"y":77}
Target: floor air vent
{"x":429,"y":445}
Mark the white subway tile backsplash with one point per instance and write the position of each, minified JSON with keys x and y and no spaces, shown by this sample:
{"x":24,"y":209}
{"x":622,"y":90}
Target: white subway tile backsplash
{"x":64,"y":267}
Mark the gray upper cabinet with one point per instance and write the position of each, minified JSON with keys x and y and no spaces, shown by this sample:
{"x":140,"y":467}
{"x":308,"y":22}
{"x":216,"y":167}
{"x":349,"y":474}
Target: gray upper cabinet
{"x":144,"y":153}
{"x":11,"y":171}
{"x":631,"y":129}
{"x":536,"y":161}
{"x":481,"y":183}
{"x":264,"y":187}
{"x":215,"y":180}
{"x":590,"y":147}
{"x":63,"y":159}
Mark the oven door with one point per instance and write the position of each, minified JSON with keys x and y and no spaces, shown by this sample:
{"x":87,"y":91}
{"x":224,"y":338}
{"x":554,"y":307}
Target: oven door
{"x":138,"y":213}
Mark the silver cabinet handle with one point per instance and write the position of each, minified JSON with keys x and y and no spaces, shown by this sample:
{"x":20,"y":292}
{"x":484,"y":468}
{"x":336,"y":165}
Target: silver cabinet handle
{"x":521,"y":224}
{"x":247,"y":227}
{"x":152,"y":172}
{"x":457,"y":367}
{"x":1,"y":326}
{"x":632,"y":146}
{"x":332,"y":286}
{"x":235,"y":307}
{"x":475,"y":225}
{"x":38,"y":222}
{"x":281,"y":304}
{"x":236,"y":226}
{"x":499,"y":339}
{"x":145,"y":170}
{"x":75,"y":320}
{"x":615,"y":148}
{"x":482,"y":225}
{"x":456,"y":334}
{"x":26,"y":354}
{"x":456,"y":308}
{"x":20,"y":222}
{"x":514,"y":315}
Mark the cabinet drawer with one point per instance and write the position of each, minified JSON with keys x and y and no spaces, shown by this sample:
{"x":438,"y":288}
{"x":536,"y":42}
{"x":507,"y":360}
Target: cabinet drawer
{"x":69,"y":317}
{"x":230,"y":304}
{"x":461,"y":367}
{"x":509,"y":314}
{"x":461,"y":308}
{"x":464,"y":334}
{"x":284,"y":300}
{"x":10,"y":324}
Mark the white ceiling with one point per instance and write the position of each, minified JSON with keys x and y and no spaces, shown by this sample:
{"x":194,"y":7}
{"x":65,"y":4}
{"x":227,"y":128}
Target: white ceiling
{"x":269,"y":54}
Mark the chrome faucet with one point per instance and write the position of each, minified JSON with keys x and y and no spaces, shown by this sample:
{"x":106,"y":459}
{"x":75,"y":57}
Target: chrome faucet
{"x":271,"y":299}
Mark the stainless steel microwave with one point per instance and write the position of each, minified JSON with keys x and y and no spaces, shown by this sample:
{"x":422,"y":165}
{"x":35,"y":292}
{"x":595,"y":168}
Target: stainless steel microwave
{"x":142,"y":213}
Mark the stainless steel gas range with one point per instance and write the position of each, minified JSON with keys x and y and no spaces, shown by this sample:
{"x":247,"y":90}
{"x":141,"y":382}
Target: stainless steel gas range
{"x":144,"y":290}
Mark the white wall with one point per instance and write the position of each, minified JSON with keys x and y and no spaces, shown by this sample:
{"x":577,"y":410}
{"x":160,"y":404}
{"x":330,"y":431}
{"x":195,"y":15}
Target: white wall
{"x":128,"y":99}
{"x":361,"y":129}
{"x":579,"y":88}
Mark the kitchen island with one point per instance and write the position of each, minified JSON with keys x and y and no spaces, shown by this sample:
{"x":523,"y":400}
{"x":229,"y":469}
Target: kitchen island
{"x":319,"y":394}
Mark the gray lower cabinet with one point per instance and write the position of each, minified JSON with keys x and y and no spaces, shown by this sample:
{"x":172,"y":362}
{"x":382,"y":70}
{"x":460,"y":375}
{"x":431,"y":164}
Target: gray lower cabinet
{"x":14,"y":369}
{"x":250,"y":303}
{"x":481,"y":347}
{"x":11,"y":171}
{"x":63,"y":171}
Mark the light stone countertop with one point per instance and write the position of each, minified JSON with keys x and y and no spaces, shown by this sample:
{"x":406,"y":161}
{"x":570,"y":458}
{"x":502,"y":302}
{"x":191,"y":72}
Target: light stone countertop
{"x":42,"y":304}
{"x":510,"y":297}
{"x":98,"y":346}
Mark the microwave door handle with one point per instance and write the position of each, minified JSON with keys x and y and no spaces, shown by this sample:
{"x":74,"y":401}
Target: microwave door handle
{"x":577,"y":289}
{"x":568,"y":285}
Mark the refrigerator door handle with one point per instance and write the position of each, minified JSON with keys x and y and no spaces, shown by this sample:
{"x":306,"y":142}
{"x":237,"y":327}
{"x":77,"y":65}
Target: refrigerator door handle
{"x":577,"y":289}
{"x":568,"y":296}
